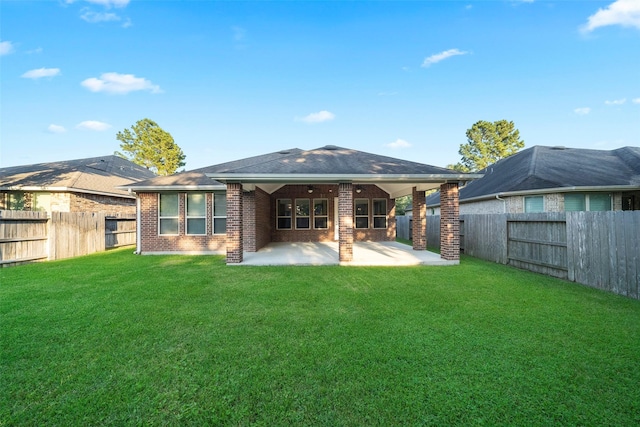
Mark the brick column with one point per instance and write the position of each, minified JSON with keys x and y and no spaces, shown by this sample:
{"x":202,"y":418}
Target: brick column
{"x":449,"y":222}
{"x":345,"y":221}
{"x":234,"y":223}
{"x":419,"y":232}
{"x":249,"y":220}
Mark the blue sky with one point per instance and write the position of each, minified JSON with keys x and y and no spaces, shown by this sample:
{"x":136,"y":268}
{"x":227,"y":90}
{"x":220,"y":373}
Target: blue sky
{"x":234,"y":79}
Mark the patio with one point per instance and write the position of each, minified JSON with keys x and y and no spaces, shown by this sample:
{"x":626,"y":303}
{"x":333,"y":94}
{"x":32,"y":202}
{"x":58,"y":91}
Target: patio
{"x":326,"y":253}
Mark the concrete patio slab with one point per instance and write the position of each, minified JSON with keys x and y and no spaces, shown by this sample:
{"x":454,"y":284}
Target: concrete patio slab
{"x":326,"y":253}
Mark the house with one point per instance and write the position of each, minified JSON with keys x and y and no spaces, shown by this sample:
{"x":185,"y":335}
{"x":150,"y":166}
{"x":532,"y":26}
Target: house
{"x":84,"y":185}
{"x":553,"y":179}
{"x":326,"y":194}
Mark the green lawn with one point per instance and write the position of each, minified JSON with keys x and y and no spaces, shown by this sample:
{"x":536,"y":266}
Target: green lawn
{"x":165,"y":340}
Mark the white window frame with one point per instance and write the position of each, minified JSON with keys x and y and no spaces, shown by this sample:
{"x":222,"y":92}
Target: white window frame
{"x":374,"y":216}
{"x":201,"y":217}
{"x":587,"y":201}
{"x":308,"y":216}
{"x":214,"y":216}
{"x":356,"y":216}
{"x":325,"y":215}
{"x":161,"y":217}
{"x":278,"y":216}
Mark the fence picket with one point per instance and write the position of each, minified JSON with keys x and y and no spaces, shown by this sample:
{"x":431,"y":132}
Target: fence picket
{"x":597,"y":249}
{"x":31,"y":236}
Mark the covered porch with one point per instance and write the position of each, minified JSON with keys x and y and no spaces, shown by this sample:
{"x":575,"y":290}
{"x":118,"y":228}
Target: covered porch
{"x":339,"y":201}
{"x":327,"y":253}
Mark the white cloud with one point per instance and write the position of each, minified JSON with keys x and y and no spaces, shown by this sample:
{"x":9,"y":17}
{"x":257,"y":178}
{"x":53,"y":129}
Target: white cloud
{"x":621,"y":12}
{"x":6,"y":48}
{"x":41,"y":72}
{"x":119,"y":84}
{"x":582,"y":111}
{"x":616,"y":101}
{"x":442,"y":56}
{"x":319,"y":117}
{"x":95,"y":17}
{"x":636,"y":100}
{"x":93,"y":125}
{"x":106,"y":3}
{"x":56,"y":129}
{"x":399,"y":143}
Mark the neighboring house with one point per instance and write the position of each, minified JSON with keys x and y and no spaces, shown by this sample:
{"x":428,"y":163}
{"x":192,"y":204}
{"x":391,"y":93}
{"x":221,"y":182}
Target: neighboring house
{"x":554,"y":179}
{"x":327,"y":194}
{"x":84,"y":185}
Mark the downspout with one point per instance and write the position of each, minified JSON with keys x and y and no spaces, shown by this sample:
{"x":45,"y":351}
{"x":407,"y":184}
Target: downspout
{"x":504,"y":203}
{"x":138,"y":226}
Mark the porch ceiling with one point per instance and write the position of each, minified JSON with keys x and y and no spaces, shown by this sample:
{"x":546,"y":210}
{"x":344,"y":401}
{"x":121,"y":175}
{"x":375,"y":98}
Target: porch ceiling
{"x":395,"y":185}
{"x":394,"y":190}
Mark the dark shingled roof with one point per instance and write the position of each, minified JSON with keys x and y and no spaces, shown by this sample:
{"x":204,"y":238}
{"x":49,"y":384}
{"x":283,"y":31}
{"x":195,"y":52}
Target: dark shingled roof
{"x":335,"y":160}
{"x":96,"y":175}
{"x":198,"y":177}
{"x":328,"y":160}
{"x":541,"y":167}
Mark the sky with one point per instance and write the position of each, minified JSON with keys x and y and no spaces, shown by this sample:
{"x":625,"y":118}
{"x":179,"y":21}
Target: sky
{"x":229,"y":80}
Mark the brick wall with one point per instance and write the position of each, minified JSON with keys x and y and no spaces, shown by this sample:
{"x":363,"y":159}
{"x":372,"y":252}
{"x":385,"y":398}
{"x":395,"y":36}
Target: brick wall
{"x":449,"y":222}
{"x":263,"y":223}
{"x":259,"y":220}
{"x":81,"y":202}
{"x":61,"y":202}
{"x":419,"y":228}
{"x":235,"y":213}
{"x":330,"y":192}
{"x":345,"y":212}
{"x":249,"y":221}
{"x":152,"y":241}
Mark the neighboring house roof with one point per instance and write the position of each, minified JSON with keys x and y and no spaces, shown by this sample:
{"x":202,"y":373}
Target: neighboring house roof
{"x":95,"y":175}
{"x":329,"y":164}
{"x":541,"y":169}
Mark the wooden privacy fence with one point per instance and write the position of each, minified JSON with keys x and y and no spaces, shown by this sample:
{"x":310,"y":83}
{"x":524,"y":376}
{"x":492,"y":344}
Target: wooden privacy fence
{"x":598,"y":249}
{"x":34,"y":236}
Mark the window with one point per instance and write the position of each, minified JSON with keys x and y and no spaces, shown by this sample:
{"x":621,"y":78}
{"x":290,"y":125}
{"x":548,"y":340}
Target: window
{"x":196,"y":214}
{"x":17,"y":201}
{"x":587,"y":202}
{"x":361,"y":207}
{"x":283,"y":214}
{"x":379,"y":213}
{"x":168,"y":214}
{"x":41,"y":202}
{"x":575,"y":202}
{"x":302,"y":214}
{"x":599,"y":202}
{"x":320,"y":213}
{"x":219,"y":213}
{"x":534,"y":204}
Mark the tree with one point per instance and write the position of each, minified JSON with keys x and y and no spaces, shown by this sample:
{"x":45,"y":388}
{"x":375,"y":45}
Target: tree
{"x":488,"y":142}
{"x":148,"y":145}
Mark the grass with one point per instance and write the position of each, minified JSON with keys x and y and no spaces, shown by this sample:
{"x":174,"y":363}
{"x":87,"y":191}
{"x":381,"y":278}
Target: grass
{"x":116,"y":338}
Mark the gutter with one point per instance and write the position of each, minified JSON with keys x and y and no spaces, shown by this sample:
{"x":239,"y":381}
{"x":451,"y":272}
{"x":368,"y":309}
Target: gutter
{"x":68,"y":190}
{"x":138,"y":227}
{"x":268,"y":178}
{"x":155,"y":188}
